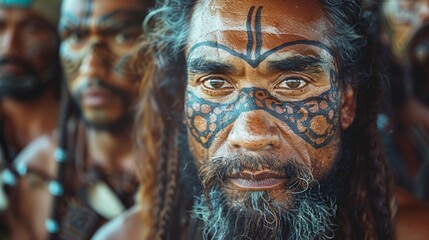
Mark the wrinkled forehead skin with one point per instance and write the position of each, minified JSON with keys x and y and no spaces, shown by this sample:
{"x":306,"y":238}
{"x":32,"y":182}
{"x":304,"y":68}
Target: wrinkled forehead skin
{"x":228,"y":22}
{"x":92,"y":10}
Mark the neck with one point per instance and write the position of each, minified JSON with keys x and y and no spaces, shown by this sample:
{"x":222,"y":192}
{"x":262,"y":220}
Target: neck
{"x":112,"y":151}
{"x":26,"y":120}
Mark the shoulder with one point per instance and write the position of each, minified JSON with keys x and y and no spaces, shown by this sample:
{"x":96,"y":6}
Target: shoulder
{"x":412,"y":217}
{"x":128,"y":225}
{"x":38,"y":156}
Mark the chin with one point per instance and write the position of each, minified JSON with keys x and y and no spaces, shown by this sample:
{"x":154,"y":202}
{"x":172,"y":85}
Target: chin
{"x":266,"y":214}
{"x":103,"y":123}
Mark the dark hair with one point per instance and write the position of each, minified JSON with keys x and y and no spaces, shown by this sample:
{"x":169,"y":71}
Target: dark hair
{"x":368,"y":208}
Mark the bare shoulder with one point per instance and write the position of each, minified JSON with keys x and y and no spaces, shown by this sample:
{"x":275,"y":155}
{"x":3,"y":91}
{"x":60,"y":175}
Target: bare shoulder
{"x":128,"y":225}
{"x":412,"y":217}
{"x":39,"y":156}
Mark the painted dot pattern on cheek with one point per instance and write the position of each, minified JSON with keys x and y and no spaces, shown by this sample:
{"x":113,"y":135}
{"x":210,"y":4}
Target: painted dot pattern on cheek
{"x":313,"y":119}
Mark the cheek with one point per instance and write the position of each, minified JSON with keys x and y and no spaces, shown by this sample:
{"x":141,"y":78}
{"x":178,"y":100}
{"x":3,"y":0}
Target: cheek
{"x":41,"y":54}
{"x":124,"y":67}
{"x":323,"y":159}
{"x":71,"y":61}
{"x":198,"y":119}
{"x":199,"y":153}
{"x":197,"y":122}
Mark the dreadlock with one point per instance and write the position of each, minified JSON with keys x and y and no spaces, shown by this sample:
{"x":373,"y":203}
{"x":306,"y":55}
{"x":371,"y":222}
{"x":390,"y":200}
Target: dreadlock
{"x":368,"y":208}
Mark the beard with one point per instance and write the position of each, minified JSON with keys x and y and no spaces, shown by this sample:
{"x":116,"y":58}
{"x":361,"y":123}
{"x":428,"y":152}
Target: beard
{"x":306,"y":210}
{"x":28,"y":86}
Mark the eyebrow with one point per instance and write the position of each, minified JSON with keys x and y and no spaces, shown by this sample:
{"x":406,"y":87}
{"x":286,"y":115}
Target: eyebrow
{"x":298,"y":63}
{"x":122,"y":17}
{"x":128,"y":18}
{"x":68,"y":21}
{"x":201,"y":65}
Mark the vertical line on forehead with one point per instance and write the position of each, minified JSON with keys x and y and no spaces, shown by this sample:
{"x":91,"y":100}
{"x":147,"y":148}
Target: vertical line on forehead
{"x":88,"y":11}
{"x":249,"y":31}
{"x":258,"y":33}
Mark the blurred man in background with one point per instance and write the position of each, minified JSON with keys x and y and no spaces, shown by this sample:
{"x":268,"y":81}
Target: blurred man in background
{"x":73,"y":182}
{"x":405,"y":38}
{"x":29,"y":76}
{"x":404,"y":124}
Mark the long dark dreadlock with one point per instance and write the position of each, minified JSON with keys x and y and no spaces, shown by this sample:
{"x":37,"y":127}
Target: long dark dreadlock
{"x":368,"y":208}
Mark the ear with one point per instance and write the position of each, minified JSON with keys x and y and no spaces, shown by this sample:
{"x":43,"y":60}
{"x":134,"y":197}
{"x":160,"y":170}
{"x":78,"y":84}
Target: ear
{"x":348,"y":106}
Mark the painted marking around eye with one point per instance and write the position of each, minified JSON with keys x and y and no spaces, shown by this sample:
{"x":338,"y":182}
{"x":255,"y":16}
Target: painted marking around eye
{"x":313,"y":119}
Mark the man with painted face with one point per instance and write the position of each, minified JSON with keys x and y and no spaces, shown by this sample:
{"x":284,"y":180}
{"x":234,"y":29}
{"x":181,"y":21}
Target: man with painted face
{"x":29,"y":72}
{"x":29,"y":77}
{"x":280,"y":105}
{"x":73,"y":183}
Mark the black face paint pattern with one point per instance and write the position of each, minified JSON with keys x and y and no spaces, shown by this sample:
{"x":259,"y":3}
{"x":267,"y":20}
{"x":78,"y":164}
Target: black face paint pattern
{"x":205,"y":119}
{"x":258,"y":56}
{"x":108,"y":59}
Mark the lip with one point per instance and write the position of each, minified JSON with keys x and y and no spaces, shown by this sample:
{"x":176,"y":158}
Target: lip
{"x":95,"y":97}
{"x":12,"y":68}
{"x":257,"y":180}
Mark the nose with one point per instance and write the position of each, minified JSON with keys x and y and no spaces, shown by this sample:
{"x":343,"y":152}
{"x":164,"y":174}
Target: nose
{"x":254,"y":131}
{"x":97,"y":61}
{"x":10,"y":41}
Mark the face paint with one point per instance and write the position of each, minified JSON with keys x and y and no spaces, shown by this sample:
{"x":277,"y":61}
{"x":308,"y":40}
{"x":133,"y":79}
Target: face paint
{"x":98,"y":39}
{"x":263,"y":96}
{"x":206,"y":118}
{"x":401,"y":20}
{"x":25,"y":39}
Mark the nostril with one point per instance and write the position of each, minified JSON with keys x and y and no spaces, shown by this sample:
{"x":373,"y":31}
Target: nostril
{"x":234,"y":145}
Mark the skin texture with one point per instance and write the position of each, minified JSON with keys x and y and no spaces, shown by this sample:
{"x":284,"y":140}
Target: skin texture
{"x":401,"y":20}
{"x":25,"y":38}
{"x":266,"y":86}
{"x":412,"y":217}
{"x":98,"y":36}
{"x":96,"y":55}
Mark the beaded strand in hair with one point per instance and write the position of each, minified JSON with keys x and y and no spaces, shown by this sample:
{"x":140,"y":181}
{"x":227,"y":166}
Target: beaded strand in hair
{"x":62,"y":158}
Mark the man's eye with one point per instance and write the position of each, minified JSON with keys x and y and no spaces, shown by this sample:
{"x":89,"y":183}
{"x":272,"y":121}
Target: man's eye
{"x":76,"y":37}
{"x":292,"y":83}
{"x":216,"y":83}
{"x":126,"y":37}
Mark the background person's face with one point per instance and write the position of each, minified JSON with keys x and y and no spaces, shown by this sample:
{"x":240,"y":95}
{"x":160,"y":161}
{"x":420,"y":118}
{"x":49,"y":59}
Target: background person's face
{"x":262,"y":83}
{"x":98,"y":37}
{"x":401,"y":20}
{"x":28,"y":50}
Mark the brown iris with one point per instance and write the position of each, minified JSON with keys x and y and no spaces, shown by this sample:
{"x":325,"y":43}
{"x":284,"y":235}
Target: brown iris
{"x":215,"y":83}
{"x":293,"y":83}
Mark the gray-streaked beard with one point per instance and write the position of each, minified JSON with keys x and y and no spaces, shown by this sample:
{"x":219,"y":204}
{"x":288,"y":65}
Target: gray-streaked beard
{"x":308,"y":215}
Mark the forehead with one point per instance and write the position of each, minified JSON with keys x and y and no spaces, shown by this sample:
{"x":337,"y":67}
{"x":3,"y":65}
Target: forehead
{"x":19,"y":14}
{"x":98,"y":8}
{"x":272,"y":23}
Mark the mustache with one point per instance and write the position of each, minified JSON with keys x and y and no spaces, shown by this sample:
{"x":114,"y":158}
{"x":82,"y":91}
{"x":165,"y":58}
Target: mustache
{"x":215,"y":172}
{"x":17,"y":61}
{"x":100,"y":84}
